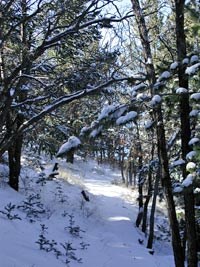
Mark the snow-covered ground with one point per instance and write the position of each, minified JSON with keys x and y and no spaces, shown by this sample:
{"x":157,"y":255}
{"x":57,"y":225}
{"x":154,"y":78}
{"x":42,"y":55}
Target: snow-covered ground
{"x":49,"y":223}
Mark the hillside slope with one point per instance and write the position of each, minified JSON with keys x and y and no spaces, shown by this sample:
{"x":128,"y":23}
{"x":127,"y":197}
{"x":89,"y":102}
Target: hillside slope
{"x":49,"y":223}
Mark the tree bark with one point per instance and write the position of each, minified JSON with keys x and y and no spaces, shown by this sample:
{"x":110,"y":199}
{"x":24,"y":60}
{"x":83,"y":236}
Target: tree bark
{"x":146,"y":203}
{"x":15,"y":150}
{"x":153,"y":209}
{"x":70,"y":156}
{"x":149,"y":193}
{"x":140,"y":180}
{"x":160,"y":130}
{"x":185,"y":136}
{"x":121,"y":162}
{"x":167,"y":185}
{"x":14,"y":154}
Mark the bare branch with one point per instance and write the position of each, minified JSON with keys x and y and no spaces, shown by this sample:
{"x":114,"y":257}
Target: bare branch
{"x":30,"y":101}
{"x":29,"y":77}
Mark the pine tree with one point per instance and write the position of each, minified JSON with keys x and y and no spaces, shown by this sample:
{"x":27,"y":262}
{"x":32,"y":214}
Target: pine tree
{"x":34,"y":80}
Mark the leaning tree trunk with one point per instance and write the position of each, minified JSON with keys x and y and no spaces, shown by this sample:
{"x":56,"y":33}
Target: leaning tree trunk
{"x":185,"y":135}
{"x":160,"y":131}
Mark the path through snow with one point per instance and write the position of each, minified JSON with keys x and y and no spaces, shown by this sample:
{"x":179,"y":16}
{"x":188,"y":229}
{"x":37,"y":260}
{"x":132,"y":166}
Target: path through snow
{"x":113,"y":237}
{"x":107,"y":220}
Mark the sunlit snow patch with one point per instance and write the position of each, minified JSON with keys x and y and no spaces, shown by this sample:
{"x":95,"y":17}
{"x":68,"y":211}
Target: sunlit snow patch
{"x":118,"y":218}
{"x":190,"y":166}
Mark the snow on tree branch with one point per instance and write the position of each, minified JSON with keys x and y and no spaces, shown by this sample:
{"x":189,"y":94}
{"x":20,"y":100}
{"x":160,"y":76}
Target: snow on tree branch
{"x":195,"y":96}
{"x":63,"y":100}
{"x":72,"y":143}
{"x":156,"y":100}
{"x":193,"y":69}
{"x":188,"y":180}
{"x":130,"y":116}
{"x":194,"y":141}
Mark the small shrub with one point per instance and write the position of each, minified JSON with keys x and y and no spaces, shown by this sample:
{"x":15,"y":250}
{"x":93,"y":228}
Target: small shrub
{"x":70,"y":253}
{"x":33,"y":207}
{"x":46,"y":244}
{"x":74,"y":230}
{"x":8,"y":212}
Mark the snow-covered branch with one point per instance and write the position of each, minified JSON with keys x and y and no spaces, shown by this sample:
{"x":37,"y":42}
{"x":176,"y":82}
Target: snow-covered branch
{"x":76,"y":27}
{"x":63,"y":100}
{"x":67,"y":99}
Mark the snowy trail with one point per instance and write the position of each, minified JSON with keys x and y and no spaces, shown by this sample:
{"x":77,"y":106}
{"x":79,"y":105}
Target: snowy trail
{"x":114,"y":238}
{"x":107,"y":221}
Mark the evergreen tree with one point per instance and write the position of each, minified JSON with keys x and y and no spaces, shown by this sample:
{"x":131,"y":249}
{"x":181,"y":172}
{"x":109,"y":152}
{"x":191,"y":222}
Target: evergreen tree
{"x":35,"y":39}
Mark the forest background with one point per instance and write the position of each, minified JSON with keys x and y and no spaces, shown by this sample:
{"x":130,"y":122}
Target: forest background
{"x":131,"y":99}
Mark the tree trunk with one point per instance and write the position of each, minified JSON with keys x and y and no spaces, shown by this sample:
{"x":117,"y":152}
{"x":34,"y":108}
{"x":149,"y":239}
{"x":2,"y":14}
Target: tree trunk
{"x":149,"y":193}
{"x":153,"y":209}
{"x":185,"y":136}
{"x":160,"y":131}
{"x":140,"y":202}
{"x":140,"y":180}
{"x":130,"y":172}
{"x":167,"y":185}
{"x":121,"y":162}
{"x":70,"y":156}
{"x":146,"y":203}
{"x":14,"y":154}
{"x":15,"y":150}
